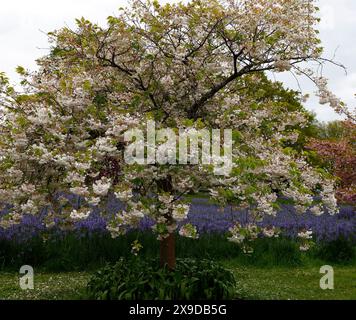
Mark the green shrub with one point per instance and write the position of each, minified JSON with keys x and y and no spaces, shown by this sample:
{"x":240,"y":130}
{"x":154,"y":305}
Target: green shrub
{"x":138,"y":279}
{"x":340,"y":250}
{"x":273,"y":252}
{"x":283,"y":252}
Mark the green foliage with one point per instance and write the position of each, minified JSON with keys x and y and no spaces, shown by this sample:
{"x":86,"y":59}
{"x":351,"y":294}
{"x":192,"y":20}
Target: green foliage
{"x":5,"y":87}
{"x":274,"y":252}
{"x":88,"y":252}
{"x":92,"y":251}
{"x":334,"y":130}
{"x":137,"y":279}
{"x":21,"y":70}
{"x":337,"y":251}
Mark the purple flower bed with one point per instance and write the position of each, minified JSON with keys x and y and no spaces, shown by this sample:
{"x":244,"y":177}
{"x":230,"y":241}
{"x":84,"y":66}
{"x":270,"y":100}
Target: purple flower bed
{"x":209,"y":219}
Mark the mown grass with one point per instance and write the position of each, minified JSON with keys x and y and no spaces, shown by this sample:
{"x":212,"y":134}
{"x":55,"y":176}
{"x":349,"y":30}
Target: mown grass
{"x":281,"y":283}
{"x":299,"y":283}
{"x":47,"y":286}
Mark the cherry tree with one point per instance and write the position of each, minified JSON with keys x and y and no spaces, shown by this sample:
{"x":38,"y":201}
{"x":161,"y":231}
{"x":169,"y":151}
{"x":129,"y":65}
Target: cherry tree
{"x":183,"y":66}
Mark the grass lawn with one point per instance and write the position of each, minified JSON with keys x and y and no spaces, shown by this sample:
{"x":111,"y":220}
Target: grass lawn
{"x":293,"y":283}
{"x":48,"y":286}
{"x":253,"y":283}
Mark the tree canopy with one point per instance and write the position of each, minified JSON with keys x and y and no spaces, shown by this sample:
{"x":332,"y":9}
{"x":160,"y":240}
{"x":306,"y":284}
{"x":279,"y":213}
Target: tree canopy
{"x":198,"y":65}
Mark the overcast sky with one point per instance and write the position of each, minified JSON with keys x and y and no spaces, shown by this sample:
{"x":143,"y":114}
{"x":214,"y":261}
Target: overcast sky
{"x":23,"y":24}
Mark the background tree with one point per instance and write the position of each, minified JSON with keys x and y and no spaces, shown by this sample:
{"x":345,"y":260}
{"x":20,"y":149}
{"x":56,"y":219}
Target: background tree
{"x":195,"y":65}
{"x":335,"y":147}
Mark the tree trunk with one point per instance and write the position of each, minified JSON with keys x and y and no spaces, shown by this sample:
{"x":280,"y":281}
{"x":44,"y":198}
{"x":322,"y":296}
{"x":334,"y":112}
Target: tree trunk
{"x":168,"y":252}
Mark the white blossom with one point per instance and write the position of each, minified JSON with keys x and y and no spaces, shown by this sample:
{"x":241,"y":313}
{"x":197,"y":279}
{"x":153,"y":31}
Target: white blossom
{"x":79,"y":214}
{"x":180,"y":212}
{"x":101,"y":187}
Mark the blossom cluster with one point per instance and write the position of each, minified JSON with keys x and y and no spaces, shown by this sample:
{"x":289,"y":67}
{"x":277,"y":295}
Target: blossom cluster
{"x":244,"y":235}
